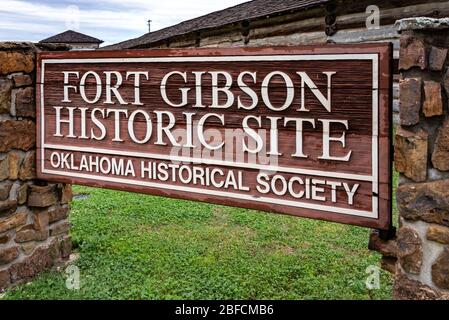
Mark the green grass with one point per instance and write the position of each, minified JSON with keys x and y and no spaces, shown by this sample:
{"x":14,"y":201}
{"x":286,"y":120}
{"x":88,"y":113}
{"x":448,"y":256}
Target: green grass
{"x":135,"y":246}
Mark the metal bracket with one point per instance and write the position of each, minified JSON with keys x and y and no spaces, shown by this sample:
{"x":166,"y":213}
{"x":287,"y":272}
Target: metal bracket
{"x":387,"y":234}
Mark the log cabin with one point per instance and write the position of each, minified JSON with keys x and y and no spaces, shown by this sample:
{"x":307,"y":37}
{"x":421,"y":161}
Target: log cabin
{"x":294,"y":22}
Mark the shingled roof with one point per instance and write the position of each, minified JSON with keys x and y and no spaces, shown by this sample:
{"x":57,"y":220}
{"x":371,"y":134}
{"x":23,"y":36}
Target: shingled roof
{"x":243,"y":12}
{"x":71,"y":36}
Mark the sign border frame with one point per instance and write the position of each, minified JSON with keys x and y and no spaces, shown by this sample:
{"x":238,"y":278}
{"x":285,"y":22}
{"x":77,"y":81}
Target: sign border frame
{"x":380,"y":55}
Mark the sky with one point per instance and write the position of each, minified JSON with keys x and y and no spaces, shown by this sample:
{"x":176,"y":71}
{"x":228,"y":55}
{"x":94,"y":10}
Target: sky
{"x":109,"y":20}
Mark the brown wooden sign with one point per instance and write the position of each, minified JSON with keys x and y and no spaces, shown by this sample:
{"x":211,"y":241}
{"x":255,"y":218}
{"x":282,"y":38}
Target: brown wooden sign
{"x":296,"y":130}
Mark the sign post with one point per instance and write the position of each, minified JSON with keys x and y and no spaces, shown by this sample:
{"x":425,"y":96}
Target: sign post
{"x":303,"y":131}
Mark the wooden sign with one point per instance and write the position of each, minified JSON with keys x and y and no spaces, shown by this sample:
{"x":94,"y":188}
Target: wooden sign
{"x":303,"y":131}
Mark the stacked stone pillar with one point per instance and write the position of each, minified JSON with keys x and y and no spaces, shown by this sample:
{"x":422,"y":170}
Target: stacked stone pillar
{"x":34,"y":222}
{"x":419,"y":255}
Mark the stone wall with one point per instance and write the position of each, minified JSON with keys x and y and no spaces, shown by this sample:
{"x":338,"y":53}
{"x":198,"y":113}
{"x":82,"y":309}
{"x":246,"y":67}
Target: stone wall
{"x":33,"y":214}
{"x":419,"y":255}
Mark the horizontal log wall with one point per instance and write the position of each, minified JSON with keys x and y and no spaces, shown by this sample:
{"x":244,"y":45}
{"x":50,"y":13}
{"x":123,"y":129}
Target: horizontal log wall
{"x":308,"y":27}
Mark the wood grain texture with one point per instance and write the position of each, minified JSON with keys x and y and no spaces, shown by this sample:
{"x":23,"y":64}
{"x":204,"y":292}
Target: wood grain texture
{"x":352,"y":100}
